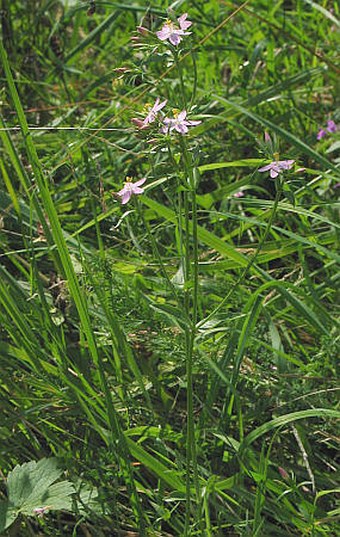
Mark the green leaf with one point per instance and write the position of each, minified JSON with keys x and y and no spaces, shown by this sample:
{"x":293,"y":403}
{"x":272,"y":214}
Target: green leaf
{"x":57,"y":497}
{"x":30,"y":486}
{"x":7,"y":516}
{"x":286,"y":419}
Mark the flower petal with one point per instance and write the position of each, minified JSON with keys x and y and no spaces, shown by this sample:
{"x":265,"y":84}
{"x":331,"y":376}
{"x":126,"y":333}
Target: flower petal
{"x":182,"y":115}
{"x":175,"y":39}
{"x":284,"y":164}
{"x":192,"y":122}
{"x":125,"y":197}
{"x":164,"y":33}
{"x":160,"y":106}
{"x":183,"y":23}
{"x":122,"y":192}
{"x":181,"y":128}
{"x":139,"y":182}
{"x":321,"y":134}
{"x":265,"y":168}
{"x":136,"y":190}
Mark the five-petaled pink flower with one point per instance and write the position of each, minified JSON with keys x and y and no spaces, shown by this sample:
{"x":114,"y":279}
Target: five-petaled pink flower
{"x":131,"y":188}
{"x":152,"y":114}
{"x":331,"y":127}
{"x":172,"y":32}
{"x":277,"y":166}
{"x":179,"y":123}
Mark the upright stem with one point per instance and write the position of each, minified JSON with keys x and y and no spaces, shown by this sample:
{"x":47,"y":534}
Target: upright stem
{"x":191,"y":303}
{"x":191,"y":306}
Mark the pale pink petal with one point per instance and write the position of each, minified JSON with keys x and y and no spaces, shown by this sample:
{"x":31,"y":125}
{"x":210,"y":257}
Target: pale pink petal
{"x":181,"y":128}
{"x":265,"y":168}
{"x":193,"y":122}
{"x":136,"y":190}
{"x":125,"y":197}
{"x":182,"y":115}
{"x":175,"y":39}
{"x":285,"y":164}
{"x":140,"y":182}
{"x":159,"y":106}
{"x":273,"y":173}
{"x":183,"y":23}
{"x":122,"y":192}
{"x":164,"y":33}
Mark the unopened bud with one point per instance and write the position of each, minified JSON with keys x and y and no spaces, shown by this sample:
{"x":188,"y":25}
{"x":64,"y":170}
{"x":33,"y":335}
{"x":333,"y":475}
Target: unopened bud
{"x":283,"y":473}
{"x":142,"y":30}
{"x":121,"y":70}
{"x":267,"y":138}
{"x":138,"y":122}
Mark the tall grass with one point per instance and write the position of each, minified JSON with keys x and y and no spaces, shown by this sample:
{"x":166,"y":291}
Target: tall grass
{"x":177,"y":353}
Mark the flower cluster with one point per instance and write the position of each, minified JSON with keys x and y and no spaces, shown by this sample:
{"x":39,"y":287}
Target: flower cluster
{"x":173,"y":32}
{"x":331,"y":127}
{"x":178,"y":122}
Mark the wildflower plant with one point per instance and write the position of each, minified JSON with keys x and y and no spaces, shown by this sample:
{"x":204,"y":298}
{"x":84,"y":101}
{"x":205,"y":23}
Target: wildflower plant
{"x":166,"y":124}
{"x":178,"y":302}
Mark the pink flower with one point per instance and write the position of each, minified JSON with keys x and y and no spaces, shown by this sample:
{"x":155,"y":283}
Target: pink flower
{"x":172,"y":32}
{"x":131,"y":188}
{"x":277,"y":166}
{"x":321,"y":134}
{"x":178,"y":123}
{"x":239,"y":194}
{"x":331,"y":127}
{"x":152,"y":114}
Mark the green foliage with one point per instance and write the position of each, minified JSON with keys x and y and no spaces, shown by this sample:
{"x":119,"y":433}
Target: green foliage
{"x":31,"y":490}
{"x":177,"y":354}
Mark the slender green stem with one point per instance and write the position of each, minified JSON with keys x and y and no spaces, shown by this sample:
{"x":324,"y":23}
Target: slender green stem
{"x":191,"y":293}
{"x":191,"y":306}
{"x":180,"y":76}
